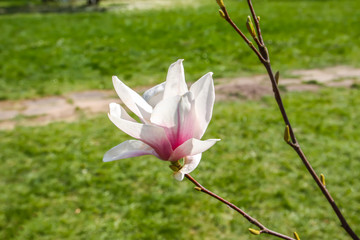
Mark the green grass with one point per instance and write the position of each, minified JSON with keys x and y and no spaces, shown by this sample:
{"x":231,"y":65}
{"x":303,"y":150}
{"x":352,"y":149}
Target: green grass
{"x":47,"y":54}
{"x":48,"y":172}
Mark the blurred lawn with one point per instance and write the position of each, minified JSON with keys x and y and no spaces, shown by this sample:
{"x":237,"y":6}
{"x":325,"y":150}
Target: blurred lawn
{"x":47,"y":54}
{"x":49,"y":172}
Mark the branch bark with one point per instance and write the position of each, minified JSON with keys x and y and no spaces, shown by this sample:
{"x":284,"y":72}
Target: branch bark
{"x":252,"y":220}
{"x":265,"y":60}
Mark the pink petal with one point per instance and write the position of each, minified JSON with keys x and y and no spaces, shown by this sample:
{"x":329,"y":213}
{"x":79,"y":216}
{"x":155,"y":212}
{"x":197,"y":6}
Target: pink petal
{"x":188,"y":123}
{"x":132,"y":100}
{"x":175,"y":80}
{"x":192,"y":147}
{"x":152,"y":135}
{"x":204,"y":93}
{"x":128,"y":149}
{"x":178,"y":117}
{"x":166,"y":115}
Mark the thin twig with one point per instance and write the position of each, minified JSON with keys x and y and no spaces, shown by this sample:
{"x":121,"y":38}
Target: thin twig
{"x":260,"y":42}
{"x":256,"y":20}
{"x":249,"y":43}
{"x":252,"y":220}
{"x":265,"y":60}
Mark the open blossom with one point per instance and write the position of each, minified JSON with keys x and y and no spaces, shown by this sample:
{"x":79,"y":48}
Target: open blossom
{"x":173,"y":120}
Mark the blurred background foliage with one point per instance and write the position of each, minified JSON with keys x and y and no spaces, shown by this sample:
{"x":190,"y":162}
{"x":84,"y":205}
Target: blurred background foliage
{"x":53,"y":183}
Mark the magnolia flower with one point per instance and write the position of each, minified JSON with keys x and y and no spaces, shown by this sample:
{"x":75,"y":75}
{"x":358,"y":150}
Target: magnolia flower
{"x":173,"y":120}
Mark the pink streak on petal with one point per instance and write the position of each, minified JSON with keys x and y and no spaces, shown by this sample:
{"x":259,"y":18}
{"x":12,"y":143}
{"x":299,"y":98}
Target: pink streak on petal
{"x":152,"y":135}
{"x":192,"y":147}
{"x":184,"y":121}
{"x":163,"y":149}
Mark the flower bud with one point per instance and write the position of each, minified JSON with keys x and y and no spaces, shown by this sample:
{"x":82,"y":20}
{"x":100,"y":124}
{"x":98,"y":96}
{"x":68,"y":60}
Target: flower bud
{"x":222,"y":14}
{"x":253,"y":231}
{"x":287,"y":134}
{"x":220,"y":3}
{"x":322,"y":178}
{"x":250,"y":27}
{"x":277,"y":75}
{"x":174,"y":168}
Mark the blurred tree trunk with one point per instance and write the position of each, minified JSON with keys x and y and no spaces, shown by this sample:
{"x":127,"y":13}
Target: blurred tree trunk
{"x":93,"y":2}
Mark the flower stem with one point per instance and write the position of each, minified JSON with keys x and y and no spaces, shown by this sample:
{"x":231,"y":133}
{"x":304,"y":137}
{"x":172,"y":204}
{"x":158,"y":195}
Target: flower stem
{"x":252,"y":220}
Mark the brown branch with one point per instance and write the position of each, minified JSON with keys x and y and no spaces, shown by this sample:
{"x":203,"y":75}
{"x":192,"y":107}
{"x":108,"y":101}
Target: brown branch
{"x":260,"y":42}
{"x":265,"y":60}
{"x":249,"y":43}
{"x":256,"y":20}
{"x":252,"y":220}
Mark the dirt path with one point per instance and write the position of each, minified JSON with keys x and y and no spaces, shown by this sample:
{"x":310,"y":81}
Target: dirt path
{"x":120,"y":5}
{"x":72,"y":106}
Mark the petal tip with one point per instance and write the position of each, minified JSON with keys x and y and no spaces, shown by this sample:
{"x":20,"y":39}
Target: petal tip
{"x":116,"y":81}
{"x":112,"y":104}
{"x":106,"y":159}
{"x":178,"y":62}
{"x":114,"y":108}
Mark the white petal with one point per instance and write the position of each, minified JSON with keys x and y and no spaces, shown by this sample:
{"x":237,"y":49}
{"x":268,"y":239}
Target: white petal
{"x":132,"y":100}
{"x":190,"y":163}
{"x":192,"y":147}
{"x":165,"y":113}
{"x":155,"y":94}
{"x":179,"y":176}
{"x":117,"y":110}
{"x":128,"y":149}
{"x":175,"y":80}
{"x":204,"y":93}
{"x":152,"y":135}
